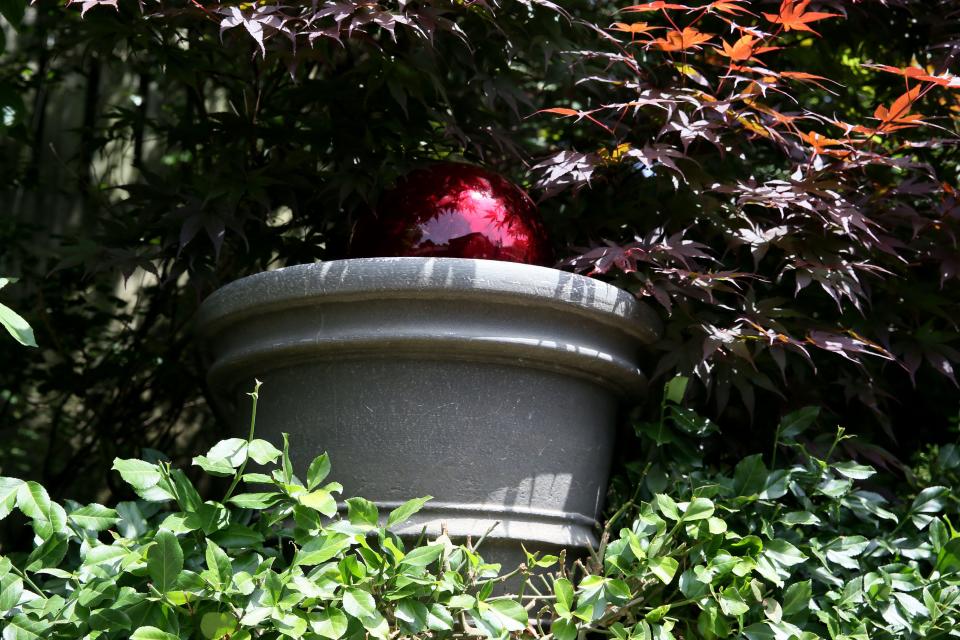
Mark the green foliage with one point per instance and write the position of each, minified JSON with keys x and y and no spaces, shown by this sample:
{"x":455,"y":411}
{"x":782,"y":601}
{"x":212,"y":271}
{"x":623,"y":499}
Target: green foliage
{"x":805,"y":549}
{"x":186,"y":159}
{"x":14,"y":323}
{"x":274,"y":562}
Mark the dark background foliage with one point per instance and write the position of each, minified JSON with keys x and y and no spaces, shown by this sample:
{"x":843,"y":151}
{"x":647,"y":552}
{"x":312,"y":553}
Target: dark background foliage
{"x":148,"y":157}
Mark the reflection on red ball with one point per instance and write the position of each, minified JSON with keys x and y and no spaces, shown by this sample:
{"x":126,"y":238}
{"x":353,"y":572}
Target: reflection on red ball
{"x":454,"y":210}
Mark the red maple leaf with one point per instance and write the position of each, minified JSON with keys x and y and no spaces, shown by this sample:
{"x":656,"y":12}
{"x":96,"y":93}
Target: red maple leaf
{"x":681,"y":40}
{"x":653,"y":6}
{"x":794,"y":16}
{"x":898,"y":116}
{"x":744,"y":48}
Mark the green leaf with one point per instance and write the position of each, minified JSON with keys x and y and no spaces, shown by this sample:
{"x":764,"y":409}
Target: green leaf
{"x":14,"y":323}
{"x":232,"y":451}
{"x":667,"y":506}
{"x":237,"y":535}
{"x":675,"y":389}
{"x":11,"y":588}
{"x":406,"y":510}
{"x":928,"y":501}
{"x":749,"y":476}
{"x":215,"y":625}
{"x":165,"y":561}
{"x":20,"y":627}
{"x":48,"y":554}
{"x":413,"y":613}
{"x":698,"y":509}
{"x":948,"y":560}
{"x":563,"y":589}
{"x":732,"y":603}
{"x":138,"y":474}
{"x":329,"y":623}
{"x":262,"y":452}
{"x":853,"y":470}
{"x":664,"y":568}
{"x":319,"y":500}
{"x":799,"y":517}
{"x":256,"y":500}
{"x":783,"y":553}
{"x":422,"y":556}
{"x":362,"y":512}
{"x":94,"y":517}
{"x":109,"y":620}
{"x":8,"y":495}
{"x":439,"y":618}
{"x":219,"y":565}
{"x":793,"y":424}
{"x":318,"y":470}
{"x":220,"y":468}
{"x":320,"y":549}
{"x":285,"y":464}
{"x":152,"y":633}
{"x":359,"y":603}
{"x":796,"y":598}
{"x":504,"y":615}
{"x":563,"y":629}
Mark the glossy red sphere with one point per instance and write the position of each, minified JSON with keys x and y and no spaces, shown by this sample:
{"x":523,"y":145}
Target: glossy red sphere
{"x":454,"y":210}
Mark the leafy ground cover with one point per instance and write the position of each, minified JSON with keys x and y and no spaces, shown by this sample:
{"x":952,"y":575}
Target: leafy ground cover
{"x":801,"y":545}
{"x":777,"y":178}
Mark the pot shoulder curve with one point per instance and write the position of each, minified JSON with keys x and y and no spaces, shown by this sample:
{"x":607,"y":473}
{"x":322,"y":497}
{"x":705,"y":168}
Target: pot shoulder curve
{"x":428,"y":278}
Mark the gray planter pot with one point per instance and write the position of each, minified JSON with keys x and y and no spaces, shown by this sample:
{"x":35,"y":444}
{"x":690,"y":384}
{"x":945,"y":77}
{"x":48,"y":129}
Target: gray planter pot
{"x":492,"y":386}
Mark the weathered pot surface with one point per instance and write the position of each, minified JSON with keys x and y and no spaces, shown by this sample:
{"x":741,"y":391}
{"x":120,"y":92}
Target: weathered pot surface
{"x":492,"y":386}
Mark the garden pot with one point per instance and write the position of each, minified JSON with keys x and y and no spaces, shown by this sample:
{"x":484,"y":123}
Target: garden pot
{"x":492,"y":386}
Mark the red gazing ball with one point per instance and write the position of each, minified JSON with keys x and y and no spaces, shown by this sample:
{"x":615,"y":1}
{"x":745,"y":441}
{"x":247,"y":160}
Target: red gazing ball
{"x":454,"y":210}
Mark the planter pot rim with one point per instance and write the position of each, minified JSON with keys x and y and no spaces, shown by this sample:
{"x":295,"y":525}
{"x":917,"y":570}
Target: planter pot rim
{"x":491,"y":281}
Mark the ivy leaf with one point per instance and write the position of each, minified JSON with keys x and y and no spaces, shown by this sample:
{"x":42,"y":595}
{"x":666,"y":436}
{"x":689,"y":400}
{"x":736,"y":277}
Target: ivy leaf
{"x":165,"y":561}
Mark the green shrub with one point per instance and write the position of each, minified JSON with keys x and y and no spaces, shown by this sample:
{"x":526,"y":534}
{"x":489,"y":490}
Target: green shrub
{"x":804,"y":549}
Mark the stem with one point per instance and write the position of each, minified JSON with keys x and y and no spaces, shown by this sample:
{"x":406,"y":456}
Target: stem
{"x":255,"y":394}
{"x":23,"y":575}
